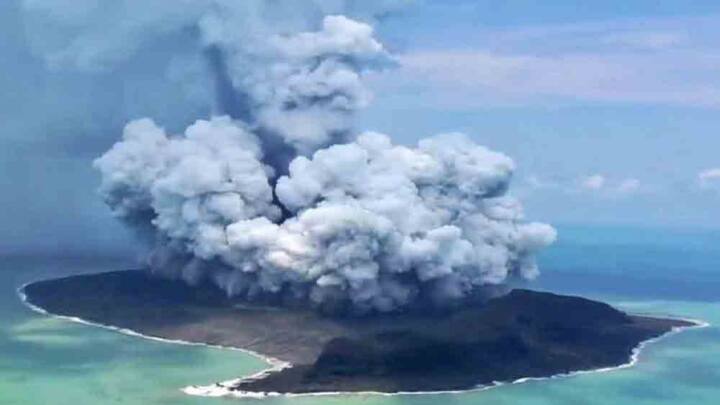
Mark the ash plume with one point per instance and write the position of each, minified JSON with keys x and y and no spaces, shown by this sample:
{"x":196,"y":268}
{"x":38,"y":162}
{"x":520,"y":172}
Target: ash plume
{"x":276,"y":196}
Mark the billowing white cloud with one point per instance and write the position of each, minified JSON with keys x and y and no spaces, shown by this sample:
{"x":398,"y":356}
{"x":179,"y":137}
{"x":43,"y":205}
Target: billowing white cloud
{"x":292,"y":68}
{"x":279,"y":200}
{"x":369,"y":223}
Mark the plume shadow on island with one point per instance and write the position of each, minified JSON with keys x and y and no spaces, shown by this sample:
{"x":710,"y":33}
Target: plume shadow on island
{"x":522,"y":334}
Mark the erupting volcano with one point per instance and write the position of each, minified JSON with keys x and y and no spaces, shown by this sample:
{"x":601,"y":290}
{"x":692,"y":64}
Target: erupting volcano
{"x":275,"y":226}
{"x":279,"y":199}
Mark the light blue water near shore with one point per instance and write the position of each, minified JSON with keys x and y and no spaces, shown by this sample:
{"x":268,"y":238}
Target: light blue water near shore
{"x":50,"y":361}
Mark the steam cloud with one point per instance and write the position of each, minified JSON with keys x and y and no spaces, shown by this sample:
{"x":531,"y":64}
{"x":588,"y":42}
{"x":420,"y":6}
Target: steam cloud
{"x":273,"y":196}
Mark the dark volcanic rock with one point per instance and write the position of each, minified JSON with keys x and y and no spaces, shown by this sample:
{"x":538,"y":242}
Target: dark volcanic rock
{"x":521,"y":334}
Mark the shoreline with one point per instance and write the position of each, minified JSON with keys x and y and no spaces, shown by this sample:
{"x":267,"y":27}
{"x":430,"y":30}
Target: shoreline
{"x":221,"y":389}
{"x":275,"y":364}
{"x":224,"y":388}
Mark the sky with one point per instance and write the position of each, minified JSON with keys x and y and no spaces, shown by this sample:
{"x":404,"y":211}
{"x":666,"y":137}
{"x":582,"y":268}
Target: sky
{"x":609,"y":109}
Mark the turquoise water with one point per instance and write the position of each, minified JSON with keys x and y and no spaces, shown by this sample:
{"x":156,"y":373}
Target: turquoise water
{"x":51,"y":361}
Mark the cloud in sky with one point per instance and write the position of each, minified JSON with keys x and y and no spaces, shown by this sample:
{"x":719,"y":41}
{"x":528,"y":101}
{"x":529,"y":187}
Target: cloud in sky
{"x":602,"y":185}
{"x":648,"y":61}
{"x":646,"y":40}
{"x":629,"y":185}
{"x":709,"y":177}
{"x":594,"y":182}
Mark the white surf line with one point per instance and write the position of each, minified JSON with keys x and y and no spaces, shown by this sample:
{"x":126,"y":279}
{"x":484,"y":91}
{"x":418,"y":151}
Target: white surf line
{"x":224,"y":389}
{"x":275,"y":364}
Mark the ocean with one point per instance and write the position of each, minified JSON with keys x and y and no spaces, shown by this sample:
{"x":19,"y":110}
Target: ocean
{"x":676,"y":272}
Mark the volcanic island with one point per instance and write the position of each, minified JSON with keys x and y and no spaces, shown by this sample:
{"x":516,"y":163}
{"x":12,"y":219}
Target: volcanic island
{"x":518,"y":335}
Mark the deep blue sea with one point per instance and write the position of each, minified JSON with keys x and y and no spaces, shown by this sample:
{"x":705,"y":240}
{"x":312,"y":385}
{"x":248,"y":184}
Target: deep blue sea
{"x":45,"y":360}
